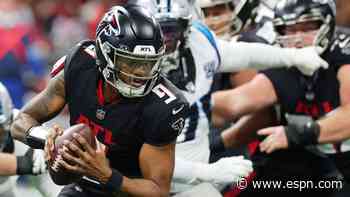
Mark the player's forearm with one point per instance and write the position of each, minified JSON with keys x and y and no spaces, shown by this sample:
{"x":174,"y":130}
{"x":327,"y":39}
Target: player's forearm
{"x":143,"y":187}
{"x":241,"y":55}
{"x":21,"y":125}
{"x":43,"y":107}
{"x":244,"y":130}
{"x":237,"y":56}
{"x":8,"y":165}
{"x":230,"y":104}
{"x":336,"y":126}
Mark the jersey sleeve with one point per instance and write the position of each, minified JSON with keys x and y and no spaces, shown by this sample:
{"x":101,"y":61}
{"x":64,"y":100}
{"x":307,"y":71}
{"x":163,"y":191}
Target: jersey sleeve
{"x":284,"y":82}
{"x":74,"y":62}
{"x":211,"y":38}
{"x":58,"y":66}
{"x":165,"y":117}
{"x":168,"y":126}
{"x":339,"y":53}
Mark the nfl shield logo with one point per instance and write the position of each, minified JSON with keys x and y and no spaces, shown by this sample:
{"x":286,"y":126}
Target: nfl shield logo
{"x":100,"y":114}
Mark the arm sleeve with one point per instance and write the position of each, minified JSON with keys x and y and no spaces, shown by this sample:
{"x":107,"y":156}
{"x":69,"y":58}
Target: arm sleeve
{"x":240,"y":55}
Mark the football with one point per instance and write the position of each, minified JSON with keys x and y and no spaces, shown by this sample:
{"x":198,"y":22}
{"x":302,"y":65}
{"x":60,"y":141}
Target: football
{"x":59,"y":175}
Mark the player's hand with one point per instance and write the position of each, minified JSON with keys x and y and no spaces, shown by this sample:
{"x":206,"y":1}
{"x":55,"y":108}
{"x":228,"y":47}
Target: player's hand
{"x":308,"y":60}
{"x":50,"y":142}
{"x":88,"y":162}
{"x":227,"y":170}
{"x":276,"y":139}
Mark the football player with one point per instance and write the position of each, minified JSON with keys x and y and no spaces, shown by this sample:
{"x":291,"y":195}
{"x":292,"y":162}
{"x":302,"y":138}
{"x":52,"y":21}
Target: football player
{"x":313,"y":23}
{"x":31,"y":163}
{"x":193,"y":56}
{"x":113,"y":85}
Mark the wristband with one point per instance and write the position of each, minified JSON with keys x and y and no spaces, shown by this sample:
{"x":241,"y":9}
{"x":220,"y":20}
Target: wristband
{"x":36,"y":137}
{"x":24,"y":163}
{"x":115,"y":182}
{"x":302,"y":135}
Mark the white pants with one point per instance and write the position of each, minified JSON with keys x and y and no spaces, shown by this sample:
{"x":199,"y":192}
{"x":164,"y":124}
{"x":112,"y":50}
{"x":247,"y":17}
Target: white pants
{"x":6,"y":189}
{"x":200,"y":190}
{"x":197,"y":151}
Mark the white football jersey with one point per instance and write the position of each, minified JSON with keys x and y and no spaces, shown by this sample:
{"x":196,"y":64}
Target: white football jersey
{"x":193,"y":143}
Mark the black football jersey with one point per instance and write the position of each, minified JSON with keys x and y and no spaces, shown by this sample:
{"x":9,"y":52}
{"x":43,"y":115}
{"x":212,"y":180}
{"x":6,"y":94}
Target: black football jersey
{"x":314,"y":96}
{"x":156,"y":119}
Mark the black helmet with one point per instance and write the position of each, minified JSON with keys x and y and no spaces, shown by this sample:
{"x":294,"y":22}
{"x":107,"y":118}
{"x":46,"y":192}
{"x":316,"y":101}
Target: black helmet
{"x":129,"y":45}
{"x":174,"y":17}
{"x":244,"y":14}
{"x":291,"y":12}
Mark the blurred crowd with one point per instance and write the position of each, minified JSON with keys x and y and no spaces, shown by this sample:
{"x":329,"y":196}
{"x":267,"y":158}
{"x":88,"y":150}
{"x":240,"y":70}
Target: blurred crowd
{"x":34,"y":33}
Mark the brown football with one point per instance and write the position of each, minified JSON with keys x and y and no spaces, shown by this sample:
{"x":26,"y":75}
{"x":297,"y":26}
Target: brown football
{"x":60,"y":175}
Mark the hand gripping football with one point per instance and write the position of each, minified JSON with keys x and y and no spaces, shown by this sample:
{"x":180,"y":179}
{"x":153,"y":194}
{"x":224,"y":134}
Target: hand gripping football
{"x":62,"y":176}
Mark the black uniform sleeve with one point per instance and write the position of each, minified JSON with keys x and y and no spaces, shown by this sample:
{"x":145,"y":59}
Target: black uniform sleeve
{"x":339,"y":52}
{"x":167,"y":126}
{"x":285,"y":83}
{"x":71,"y":65}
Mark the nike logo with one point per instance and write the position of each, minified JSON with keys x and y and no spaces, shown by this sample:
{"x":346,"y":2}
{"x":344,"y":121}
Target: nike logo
{"x":175,"y":111}
{"x":343,"y":44}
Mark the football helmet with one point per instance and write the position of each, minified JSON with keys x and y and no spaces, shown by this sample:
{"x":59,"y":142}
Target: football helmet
{"x":129,"y":46}
{"x":174,"y":18}
{"x":218,"y":15}
{"x":289,"y":13}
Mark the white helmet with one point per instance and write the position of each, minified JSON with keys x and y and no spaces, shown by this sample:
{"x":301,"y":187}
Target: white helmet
{"x":218,"y":15}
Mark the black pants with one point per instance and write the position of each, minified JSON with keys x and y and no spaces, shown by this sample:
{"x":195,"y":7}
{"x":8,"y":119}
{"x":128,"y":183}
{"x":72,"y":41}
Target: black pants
{"x":299,"y":175}
{"x":75,"y":190}
{"x":342,"y":161}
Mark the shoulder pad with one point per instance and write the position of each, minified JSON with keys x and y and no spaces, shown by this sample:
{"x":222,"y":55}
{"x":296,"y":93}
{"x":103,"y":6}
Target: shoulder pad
{"x":78,"y":51}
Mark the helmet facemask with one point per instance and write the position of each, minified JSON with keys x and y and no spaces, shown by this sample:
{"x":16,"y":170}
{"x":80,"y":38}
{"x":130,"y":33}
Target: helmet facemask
{"x":132,"y":75}
{"x":310,"y":37}
{"x":173,"y":32}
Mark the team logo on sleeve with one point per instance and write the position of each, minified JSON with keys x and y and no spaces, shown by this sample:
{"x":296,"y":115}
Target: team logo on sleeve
{"x":178,"y":125}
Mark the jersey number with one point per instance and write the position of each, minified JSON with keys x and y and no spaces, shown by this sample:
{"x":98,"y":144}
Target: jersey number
{"x":160,"y":90}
